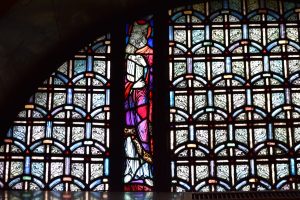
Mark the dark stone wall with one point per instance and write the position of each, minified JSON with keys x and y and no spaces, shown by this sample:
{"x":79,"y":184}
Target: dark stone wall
{"x":36,"y":36}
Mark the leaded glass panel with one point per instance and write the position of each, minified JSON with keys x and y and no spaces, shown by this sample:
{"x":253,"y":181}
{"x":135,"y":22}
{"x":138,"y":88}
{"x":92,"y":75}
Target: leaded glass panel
{"x":138,"y":175}
{"x":57,"y":142}
{"x":234,"y":95}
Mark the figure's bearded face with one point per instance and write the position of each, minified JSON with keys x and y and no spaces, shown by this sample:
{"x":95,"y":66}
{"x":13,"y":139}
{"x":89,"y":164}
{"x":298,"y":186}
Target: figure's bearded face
{"x":139,"y":35}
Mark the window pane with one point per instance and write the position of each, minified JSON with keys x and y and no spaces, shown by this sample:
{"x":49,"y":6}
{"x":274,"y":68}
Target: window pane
{"x":234,"y":95}
{"x":138,"y":175}
{"x":61,"y":140}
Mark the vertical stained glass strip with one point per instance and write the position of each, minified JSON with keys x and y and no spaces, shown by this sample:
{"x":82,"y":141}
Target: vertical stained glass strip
{"x":234,"y":95}
{"x":138,"y":175}
{"x":60,"y":141}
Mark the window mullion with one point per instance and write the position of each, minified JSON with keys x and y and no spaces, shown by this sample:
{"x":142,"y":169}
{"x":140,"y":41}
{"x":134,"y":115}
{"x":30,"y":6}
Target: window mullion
{"x":162,"y":176}
{"x":117,"y":111}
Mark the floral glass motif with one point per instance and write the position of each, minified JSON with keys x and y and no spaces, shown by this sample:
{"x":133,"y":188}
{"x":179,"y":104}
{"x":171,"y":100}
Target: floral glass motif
{"x":138,"y":175}
{"x":235,"y":95}
{"x":60,"y":141}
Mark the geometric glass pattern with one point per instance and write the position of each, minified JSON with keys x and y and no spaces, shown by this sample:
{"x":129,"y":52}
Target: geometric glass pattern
{"x":138,"y":175}
{"x":234,"y":70}
{"x":60,"y":141}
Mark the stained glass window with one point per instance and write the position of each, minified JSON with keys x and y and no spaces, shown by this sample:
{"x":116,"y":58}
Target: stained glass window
{"x":138,"y":175}
{"x":234,"y":95}
{"x":60,"y":141}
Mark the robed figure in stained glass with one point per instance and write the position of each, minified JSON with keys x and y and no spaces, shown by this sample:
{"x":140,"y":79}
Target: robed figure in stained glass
{"x":138,"y":106}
